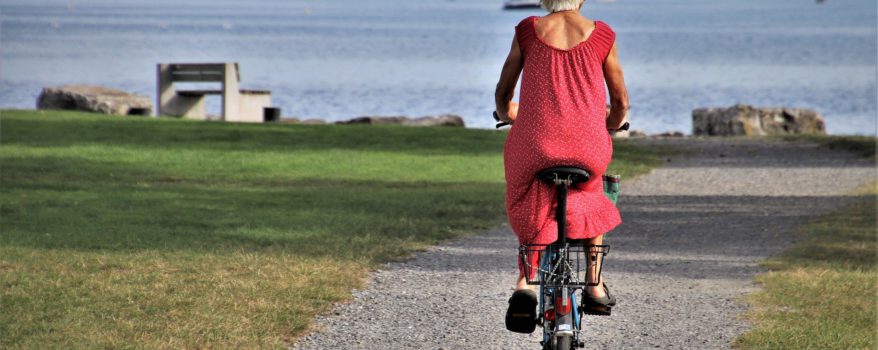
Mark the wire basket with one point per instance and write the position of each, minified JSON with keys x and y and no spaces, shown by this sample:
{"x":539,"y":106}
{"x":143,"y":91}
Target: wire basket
{"x":555,"y":266}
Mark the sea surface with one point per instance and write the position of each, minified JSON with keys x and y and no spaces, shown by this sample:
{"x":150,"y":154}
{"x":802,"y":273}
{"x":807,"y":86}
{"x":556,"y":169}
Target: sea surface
{"x":337,"y":59}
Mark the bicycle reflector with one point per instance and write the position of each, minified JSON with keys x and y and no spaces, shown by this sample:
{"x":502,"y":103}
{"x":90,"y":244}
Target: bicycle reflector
{"x":549,"y":315}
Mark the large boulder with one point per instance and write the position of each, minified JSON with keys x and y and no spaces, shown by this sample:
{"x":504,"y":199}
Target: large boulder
{"x":439,"y":120}
{"x":752,"y":121}
{"x":94,"y":99}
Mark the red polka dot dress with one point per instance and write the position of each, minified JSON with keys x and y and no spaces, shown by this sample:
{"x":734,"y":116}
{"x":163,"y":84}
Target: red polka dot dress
{"x":561,"y":122}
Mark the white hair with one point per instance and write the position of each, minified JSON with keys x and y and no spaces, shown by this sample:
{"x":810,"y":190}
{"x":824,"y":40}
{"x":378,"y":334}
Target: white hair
{"x":560,"y":5}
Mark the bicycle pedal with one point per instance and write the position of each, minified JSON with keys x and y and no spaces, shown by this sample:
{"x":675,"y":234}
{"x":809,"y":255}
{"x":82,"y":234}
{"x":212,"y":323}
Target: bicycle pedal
{"x":596,"y":312}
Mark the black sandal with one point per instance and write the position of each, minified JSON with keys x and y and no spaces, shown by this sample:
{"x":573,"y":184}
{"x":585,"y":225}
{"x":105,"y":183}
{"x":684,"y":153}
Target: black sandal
{"x":521,"y":317}
{"x":602,"y":306}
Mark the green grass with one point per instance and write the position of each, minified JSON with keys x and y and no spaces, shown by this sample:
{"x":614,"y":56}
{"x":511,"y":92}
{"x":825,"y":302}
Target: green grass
{"x":142,"y":233}
{"x":821,"y":293}
{"x":863,"y":146}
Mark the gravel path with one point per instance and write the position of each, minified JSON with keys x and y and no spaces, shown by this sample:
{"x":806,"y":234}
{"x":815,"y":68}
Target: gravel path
{"x":694,"y":231}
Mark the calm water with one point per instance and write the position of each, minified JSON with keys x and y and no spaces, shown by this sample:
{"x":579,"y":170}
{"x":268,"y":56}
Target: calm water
{"x":336,"y":59}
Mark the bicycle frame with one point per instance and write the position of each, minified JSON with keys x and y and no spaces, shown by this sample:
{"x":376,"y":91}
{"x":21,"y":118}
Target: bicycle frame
{"x":563,"y":269}
{"x":558,"y":312}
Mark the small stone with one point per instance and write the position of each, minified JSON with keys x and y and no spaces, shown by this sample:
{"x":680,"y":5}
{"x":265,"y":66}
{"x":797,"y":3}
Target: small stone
{"x":313,"y":122}
{"x":636,"y":133}
{"x":439,"y":120}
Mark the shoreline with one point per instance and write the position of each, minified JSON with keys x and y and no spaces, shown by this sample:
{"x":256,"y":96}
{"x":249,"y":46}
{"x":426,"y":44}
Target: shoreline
{"x":316,"y":121}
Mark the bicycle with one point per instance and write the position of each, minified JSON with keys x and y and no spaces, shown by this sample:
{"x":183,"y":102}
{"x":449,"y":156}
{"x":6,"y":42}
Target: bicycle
{"x":564,"y":267}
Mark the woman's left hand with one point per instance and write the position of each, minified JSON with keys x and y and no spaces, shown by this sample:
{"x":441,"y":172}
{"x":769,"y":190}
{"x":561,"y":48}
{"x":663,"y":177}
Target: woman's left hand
{"x":512,"y":112}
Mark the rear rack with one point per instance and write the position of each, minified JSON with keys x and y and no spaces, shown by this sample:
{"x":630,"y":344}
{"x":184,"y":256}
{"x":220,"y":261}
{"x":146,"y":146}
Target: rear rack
{"x":546,"y":262}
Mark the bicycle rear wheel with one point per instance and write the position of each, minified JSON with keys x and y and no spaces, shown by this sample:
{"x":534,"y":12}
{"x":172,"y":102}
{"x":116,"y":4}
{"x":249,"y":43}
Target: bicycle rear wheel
{"x":564,"y":343}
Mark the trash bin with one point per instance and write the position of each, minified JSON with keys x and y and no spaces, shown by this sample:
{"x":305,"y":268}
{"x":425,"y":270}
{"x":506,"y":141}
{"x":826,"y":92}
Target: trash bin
{"x":271,"y":114}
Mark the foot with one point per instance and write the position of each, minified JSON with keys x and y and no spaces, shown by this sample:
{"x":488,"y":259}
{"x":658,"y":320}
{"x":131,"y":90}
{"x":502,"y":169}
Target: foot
{"x":521,"y":317}
{"x":596,"y":291}
{"x":598,"y":305}
{"x":600,"y":294}
{"x":522,"y":284}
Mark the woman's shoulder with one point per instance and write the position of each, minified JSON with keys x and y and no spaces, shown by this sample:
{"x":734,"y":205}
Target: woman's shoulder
{"x":527,"y":21}
{"x":606,"y":28}
{"x":524,"y":31}
{"x":604,"y":33}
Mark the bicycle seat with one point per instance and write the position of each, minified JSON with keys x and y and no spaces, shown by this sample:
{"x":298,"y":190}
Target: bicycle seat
{"x":574,"y":174}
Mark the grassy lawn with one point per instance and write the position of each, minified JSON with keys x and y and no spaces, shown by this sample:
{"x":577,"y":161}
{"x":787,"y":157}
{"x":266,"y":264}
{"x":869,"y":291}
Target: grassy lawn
{"x":821,"y":293}
{"x":143,"y":233}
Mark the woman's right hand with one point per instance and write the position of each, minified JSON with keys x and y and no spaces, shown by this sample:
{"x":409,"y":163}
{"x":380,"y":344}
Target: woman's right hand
{"x":507,"y":118}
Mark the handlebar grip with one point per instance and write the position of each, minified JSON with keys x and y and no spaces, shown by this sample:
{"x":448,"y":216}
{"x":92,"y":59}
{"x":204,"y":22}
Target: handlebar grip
{"x":499,"y":123}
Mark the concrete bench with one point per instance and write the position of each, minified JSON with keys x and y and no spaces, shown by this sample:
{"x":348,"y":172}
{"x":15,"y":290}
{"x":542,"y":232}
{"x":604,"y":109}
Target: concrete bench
{"x":237,"y":105}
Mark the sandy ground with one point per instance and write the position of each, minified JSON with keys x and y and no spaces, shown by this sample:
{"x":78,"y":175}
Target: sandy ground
{"x":693,"y":233}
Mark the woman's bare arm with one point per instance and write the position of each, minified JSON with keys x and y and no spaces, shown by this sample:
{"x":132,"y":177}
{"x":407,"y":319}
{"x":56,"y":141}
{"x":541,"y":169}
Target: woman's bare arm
{"x":506,"y":86}
{"x":618,"y":92}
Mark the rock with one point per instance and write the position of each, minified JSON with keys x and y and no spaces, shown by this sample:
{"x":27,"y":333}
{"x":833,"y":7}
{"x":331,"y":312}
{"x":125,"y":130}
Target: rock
{"x":780,"y":121}
{"x":752,"y":121}
{"x":94,"y":99}
{"x":313,"y":122}
{"x":440,"y":120}
{"x":636,"y":133}
{"x":671,"y":134}
{"x":374,"y":120}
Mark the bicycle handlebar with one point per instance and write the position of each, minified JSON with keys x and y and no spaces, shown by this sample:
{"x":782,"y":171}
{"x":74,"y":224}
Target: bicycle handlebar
{"x":502,"y":124}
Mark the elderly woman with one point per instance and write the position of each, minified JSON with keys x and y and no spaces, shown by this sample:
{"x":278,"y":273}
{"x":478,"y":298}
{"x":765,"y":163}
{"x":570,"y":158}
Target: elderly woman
{"x":567,"y":64}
